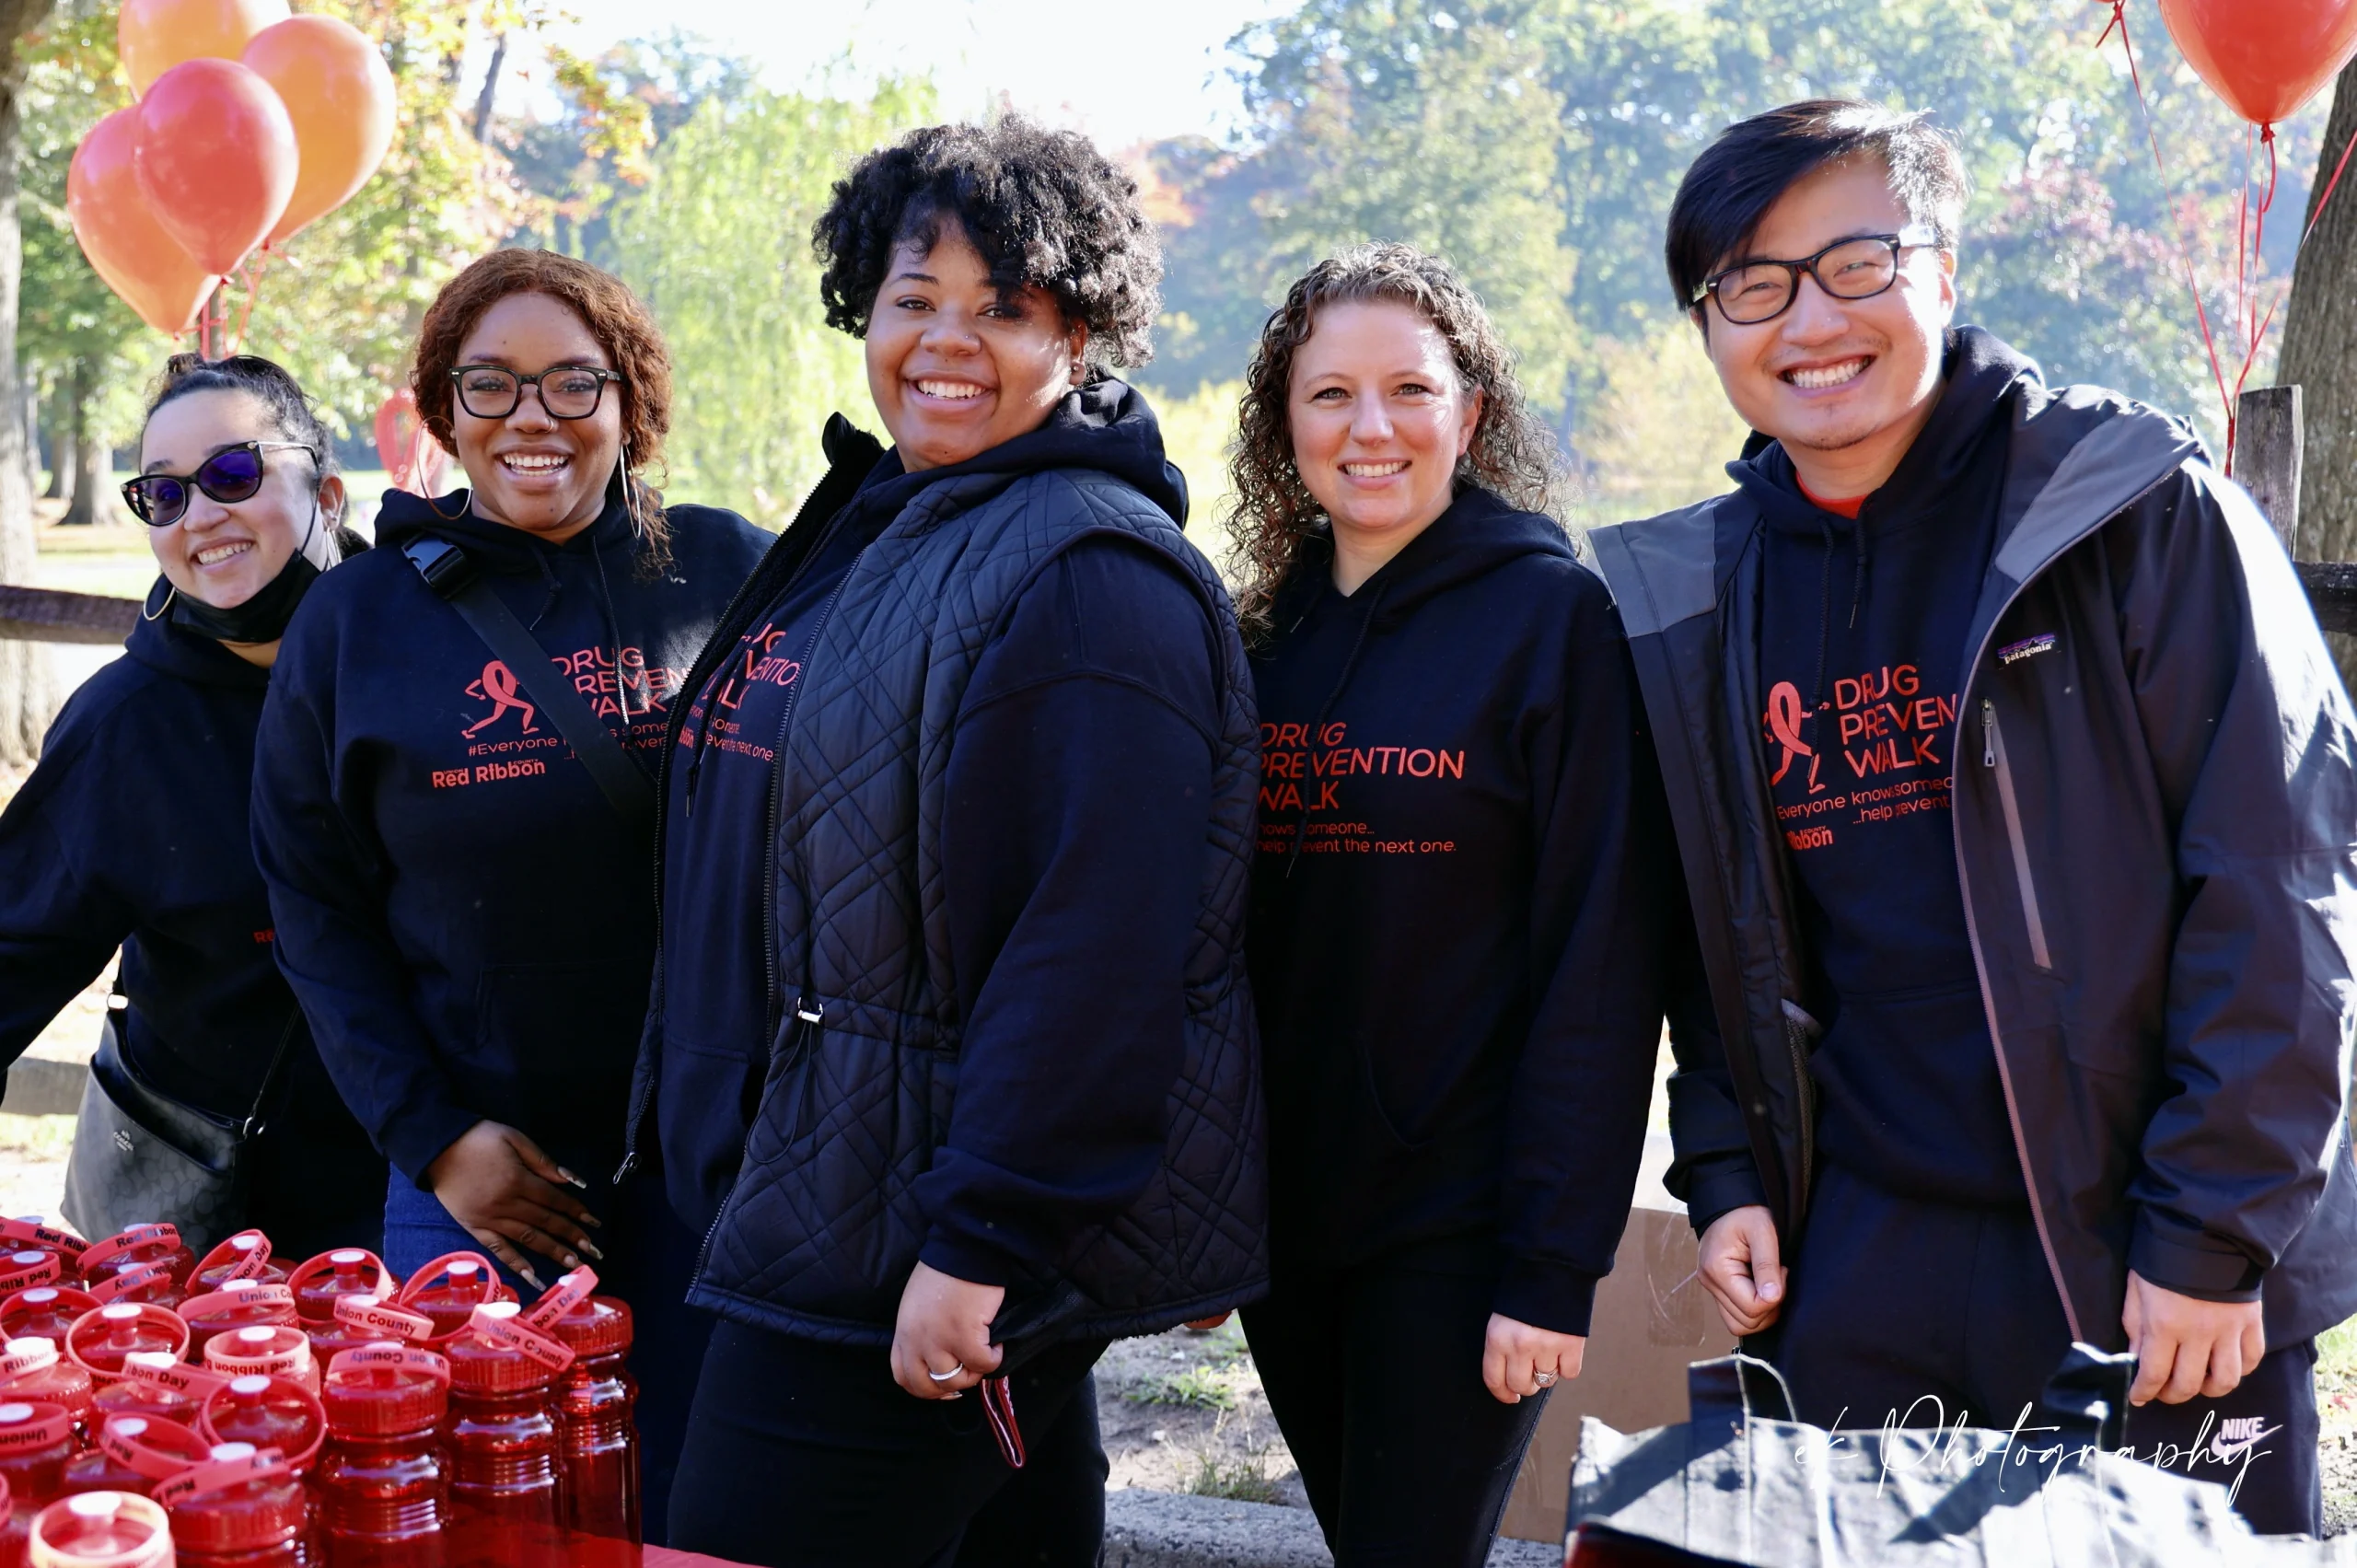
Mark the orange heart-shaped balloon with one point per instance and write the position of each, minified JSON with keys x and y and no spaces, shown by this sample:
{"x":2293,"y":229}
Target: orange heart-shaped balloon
{"x":119,"y":233}
{"x":338,"y":92}
{"x":217,"y":158}
{"x":152,"y":36}
{"x":2264,"y":57}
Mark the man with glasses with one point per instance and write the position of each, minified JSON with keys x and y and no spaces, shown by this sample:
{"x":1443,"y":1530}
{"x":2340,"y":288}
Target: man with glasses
{"x":2013,"y":785}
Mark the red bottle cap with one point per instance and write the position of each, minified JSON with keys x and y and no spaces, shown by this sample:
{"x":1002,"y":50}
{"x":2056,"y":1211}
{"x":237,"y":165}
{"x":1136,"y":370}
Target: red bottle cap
{"x":592,"y":1325}
{"x":240,"y":1499}
{"x":151,"y":1447}
{"x":46,"y":1311}
{"x":278,"y":1349}
{"x":318,"y":1282}
{"x":386,"y":1390}
{"x":269,"y":1412}
{"x":102,"y":1339}
{"x":497,"y":1355}
{"x":245,"y":1255}
{"x":101,"y":1529}
{"x":137,"y":1247}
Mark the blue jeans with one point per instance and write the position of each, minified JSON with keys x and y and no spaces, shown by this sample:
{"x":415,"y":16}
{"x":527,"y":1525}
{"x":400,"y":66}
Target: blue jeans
{"x":650,"y":1258}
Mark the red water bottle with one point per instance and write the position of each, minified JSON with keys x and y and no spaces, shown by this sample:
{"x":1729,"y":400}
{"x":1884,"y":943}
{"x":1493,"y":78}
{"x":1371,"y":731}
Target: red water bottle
{"x":156,"y":1386}
{"x":61,"y":1254}
{"x":365,"y":1320}
{"x":102,"y":1340}
{"x":274,"y":1350}
{"x":100,"y":1529}
{"x":381,"y":1481}
{"x":35,"y":1443}
{"x":596,"y":1401}
{"x":245,"y":1255}
{"x":449,"y":1290}
{"x":269,"y":1412}
{"x":31,"y":1372}
{"x":45,"y":1312}
{"x":14,"y":1526}
{"x":241,"y":1508}
{"x":240,"y":1304}
{"x":140,"y":1248}
{"x":348,"y":1271}
{"x":503,"y":1425}
{"x":133,"y":1454}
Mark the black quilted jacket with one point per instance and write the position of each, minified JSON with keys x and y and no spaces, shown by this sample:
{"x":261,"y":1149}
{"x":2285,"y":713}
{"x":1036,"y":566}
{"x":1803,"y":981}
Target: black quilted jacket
{"x":823,"y":1226}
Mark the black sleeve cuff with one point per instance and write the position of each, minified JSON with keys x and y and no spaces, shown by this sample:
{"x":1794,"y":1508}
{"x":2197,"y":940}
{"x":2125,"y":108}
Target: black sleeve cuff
{"x":1546,"y":1295}
{"x":2176,"y":1257}
{"x":1717,"y":1186}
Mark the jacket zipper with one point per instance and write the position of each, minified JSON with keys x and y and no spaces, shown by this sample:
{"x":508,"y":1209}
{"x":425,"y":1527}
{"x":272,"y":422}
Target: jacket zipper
{"x":1992,"y":755}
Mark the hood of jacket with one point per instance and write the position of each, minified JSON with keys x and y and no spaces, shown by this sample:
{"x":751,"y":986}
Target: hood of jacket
{"x":401,"y":517}
{"x":1477,"y":534}
{"x":174,"y":650}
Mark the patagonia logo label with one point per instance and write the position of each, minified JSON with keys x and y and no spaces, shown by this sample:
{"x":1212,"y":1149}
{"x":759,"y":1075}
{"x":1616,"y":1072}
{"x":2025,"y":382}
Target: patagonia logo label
{"x":2028,"y":647}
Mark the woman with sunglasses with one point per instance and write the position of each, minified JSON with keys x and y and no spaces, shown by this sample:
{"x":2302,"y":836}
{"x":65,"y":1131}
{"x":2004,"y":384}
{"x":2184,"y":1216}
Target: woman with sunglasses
{"x":462,"y":905}
{"x":131,"y":831}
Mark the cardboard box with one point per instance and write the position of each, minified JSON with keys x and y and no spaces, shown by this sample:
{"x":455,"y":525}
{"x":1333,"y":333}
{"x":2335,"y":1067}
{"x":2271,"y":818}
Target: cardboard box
{"x":1652,"y":1320}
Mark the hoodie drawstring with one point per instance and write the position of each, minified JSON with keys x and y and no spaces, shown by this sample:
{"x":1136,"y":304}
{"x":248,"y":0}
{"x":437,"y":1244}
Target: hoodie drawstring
{"x":1324,"y":711}
{"x":1825,"y":603}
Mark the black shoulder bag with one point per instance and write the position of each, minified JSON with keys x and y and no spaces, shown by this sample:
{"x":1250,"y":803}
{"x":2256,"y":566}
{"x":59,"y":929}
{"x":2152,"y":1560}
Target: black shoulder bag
{"x":141,"y":1157}
{"x":450,"y":575}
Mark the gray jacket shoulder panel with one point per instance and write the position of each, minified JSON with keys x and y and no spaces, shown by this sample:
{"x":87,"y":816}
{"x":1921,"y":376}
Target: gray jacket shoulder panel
{"x":1662,"y":569}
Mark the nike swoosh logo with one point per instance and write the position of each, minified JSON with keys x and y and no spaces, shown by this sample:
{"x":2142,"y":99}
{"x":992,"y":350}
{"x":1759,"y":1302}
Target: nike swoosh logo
{"x":2226,"y":1453}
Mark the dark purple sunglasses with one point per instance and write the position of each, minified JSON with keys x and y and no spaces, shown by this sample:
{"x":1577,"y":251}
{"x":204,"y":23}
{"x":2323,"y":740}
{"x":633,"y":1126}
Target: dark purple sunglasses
{"x":229,"y":475}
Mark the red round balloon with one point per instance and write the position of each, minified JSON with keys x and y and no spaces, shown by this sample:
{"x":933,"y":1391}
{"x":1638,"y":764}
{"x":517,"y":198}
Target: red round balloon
{"x":217,"y":158}
{"x":119,"y":233}
{"x":2264,"y":57}
{"x":413,"y":460}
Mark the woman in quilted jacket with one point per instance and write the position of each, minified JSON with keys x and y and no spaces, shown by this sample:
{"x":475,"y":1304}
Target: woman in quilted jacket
{"x":951,"y":1056}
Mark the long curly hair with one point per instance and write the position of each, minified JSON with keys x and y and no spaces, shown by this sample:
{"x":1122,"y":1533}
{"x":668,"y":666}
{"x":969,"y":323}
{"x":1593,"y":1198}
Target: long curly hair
{"x":615,"y":317}
{"x":1512,"y":454}
{"x":1044,"y":209}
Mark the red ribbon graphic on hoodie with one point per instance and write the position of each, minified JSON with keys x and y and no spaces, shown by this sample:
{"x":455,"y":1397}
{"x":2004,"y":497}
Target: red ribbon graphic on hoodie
{"x":498,"y":687}
{"x":1784,"y":715}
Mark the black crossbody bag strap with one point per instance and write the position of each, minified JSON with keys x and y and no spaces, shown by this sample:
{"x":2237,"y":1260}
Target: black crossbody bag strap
{"x":449,"y":574}
{"x":256,"y":1122}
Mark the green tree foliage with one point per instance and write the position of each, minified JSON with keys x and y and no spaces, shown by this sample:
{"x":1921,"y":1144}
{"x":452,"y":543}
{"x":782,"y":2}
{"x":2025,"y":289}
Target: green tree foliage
{"x":719,"y":244}
{"x":1539,"y":144}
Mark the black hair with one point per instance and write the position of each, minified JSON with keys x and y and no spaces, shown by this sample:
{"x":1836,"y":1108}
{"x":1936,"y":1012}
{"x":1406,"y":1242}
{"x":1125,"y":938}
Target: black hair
{"x":1727,"y":193}
{"x":290,"y":407}
{"x":1044,"y":209}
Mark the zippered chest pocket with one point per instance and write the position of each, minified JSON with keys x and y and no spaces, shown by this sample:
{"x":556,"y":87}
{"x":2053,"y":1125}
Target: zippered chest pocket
{"x":1992,"y":757}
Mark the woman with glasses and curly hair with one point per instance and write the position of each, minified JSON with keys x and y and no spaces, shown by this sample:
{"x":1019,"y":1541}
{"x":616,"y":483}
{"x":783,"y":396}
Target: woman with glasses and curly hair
{"x":131,"y":833}
{"x":951,"y":1056}
{"x":455,"y":855}
{"x":1456,"y":906}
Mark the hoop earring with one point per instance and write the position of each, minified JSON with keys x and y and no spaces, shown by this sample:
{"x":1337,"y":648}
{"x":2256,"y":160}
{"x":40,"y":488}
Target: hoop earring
{"x":434,"y":505}
{"x":630,"y":498}
{"x":170,"y":591}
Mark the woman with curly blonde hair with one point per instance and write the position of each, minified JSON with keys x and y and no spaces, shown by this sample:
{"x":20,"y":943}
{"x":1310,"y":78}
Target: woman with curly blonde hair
{"x":1457,"y":905}
{"x":457,"y":862}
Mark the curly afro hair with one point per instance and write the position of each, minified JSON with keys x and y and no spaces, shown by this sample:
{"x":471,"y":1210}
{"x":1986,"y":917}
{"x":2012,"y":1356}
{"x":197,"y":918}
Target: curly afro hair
{"x":1044,"y":209}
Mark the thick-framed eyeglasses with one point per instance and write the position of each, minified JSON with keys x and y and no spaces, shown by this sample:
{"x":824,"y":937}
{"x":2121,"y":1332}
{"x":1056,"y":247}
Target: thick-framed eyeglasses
{"x":1861,"y":267}
{"x":566,"y":392}
{"x":228,"y":476}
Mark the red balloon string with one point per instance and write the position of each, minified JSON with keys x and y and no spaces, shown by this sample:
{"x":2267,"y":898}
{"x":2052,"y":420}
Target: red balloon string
{"x":2184,"y":251}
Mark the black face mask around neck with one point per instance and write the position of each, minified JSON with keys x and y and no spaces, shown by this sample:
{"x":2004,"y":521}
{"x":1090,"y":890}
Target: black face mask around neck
{"x":263,"y":618}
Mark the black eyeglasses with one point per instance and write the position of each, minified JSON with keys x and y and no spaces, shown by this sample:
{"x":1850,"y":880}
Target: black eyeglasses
{"x":566,"y":392}
{"x":229,"y":475}
{"x":1858,"y":268}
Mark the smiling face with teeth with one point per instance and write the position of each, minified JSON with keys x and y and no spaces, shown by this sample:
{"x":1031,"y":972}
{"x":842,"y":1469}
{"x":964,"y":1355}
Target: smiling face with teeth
{"x":956,"y":366}
{"x":1379,"y":418}
{"x":222,"y":553}
{"x":543,"y":475}
{"x":1845,"y":384}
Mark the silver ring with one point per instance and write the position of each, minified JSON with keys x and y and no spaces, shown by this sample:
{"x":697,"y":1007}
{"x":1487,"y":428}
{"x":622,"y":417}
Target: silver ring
{"x":1544,"y":1379}
{"x":946,"y":1377}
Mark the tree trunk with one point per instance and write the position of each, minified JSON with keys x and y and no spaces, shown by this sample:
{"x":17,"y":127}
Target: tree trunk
{"x":94,"y":496}
{"x":32,"y":433}
{"x":62,"y":444}
{"x":26,"y":698}
{"x":2320,"y":355}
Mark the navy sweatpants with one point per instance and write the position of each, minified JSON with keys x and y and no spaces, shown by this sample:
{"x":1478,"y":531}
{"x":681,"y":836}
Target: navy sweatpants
{"x":1920,"y":1314}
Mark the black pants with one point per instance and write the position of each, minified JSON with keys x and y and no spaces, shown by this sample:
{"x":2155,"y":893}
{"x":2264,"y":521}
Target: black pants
{"x":1923,"y":1315}
{"x":1375,"y":1375}
{"x":802,"y":1455}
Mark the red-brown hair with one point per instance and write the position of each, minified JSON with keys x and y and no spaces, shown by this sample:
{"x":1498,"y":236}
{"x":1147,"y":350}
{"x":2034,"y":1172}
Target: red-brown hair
{"x":617,"y":318}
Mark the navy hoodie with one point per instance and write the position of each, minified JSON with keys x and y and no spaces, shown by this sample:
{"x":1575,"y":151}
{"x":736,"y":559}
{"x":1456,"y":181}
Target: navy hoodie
{"x":469,"y":923}
{"x":1072,"y":847}
{"x":131,"y":833}
{"x":1861,"y":653}
{"x":1458,"y":921}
